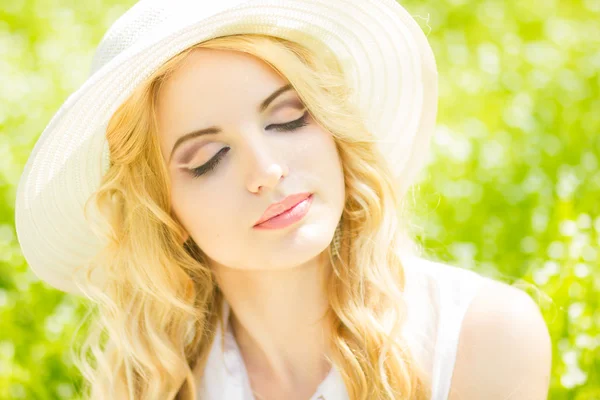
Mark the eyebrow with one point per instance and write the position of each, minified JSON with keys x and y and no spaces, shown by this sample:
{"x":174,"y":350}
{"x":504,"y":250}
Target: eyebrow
{"x":214,"y":130}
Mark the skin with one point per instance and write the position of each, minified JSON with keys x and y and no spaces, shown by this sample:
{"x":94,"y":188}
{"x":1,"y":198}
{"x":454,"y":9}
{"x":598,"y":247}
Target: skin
{"x":272,"y":279}
{"x":505,"y":349}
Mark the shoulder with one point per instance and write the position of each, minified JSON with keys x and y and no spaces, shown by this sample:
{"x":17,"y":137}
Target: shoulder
{"x":504,"y":350}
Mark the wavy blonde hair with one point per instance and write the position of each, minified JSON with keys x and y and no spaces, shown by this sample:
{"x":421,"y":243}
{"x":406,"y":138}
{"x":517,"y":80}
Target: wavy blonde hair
{"x":154,"y":322}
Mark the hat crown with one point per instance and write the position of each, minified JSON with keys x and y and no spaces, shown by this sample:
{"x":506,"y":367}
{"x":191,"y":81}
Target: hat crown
{"x":128,"y":29}
{"x":144,"y":18}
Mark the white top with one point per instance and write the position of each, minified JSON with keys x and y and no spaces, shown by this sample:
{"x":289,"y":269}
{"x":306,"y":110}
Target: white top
{"x":437,"y":296}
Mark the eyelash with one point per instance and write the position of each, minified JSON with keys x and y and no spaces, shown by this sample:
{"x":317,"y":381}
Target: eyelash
{"x":286,"y":127}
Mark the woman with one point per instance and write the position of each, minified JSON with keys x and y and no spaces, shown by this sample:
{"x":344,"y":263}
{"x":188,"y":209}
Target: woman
{"x":228,"y":188}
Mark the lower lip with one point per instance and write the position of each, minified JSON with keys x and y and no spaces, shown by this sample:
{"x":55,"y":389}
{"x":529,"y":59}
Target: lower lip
{"x":287,"y":218}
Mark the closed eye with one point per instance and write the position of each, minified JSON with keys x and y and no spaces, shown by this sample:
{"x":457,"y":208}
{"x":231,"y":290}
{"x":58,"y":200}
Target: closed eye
{"x":293,"y":125}
{"x":213,"y":162}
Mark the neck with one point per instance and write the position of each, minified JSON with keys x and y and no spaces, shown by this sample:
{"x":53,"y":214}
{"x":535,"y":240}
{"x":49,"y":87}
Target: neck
{"x":277,"y":317}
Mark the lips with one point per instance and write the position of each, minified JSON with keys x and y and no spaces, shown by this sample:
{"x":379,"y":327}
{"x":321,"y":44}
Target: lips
{"x":282,"y":206}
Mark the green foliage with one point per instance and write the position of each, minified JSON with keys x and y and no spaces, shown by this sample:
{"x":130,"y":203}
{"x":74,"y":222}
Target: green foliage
{"x":511,"y":189}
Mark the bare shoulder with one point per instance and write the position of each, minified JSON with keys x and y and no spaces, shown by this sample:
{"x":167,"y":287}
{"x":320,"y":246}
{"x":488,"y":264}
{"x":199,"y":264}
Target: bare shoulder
{"x":504,"y":350}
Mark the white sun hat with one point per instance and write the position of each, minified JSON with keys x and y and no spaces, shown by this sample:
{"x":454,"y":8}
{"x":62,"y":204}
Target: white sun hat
{"x":386,"y":53}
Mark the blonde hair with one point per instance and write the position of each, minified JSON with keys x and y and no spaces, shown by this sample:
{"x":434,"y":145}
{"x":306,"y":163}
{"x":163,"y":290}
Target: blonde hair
{"x":154,"y":322}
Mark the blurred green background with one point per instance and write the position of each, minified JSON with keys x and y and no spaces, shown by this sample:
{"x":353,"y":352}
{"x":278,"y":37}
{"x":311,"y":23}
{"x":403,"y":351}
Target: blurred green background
{"x":511,"y":190}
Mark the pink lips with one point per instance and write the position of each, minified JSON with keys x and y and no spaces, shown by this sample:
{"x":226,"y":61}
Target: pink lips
{"x":286,"y":206}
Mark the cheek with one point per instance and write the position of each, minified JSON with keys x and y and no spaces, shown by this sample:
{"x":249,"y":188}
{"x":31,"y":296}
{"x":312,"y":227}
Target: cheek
{"x":327,"y":165}
{"x":313,"y":148}
{"x":322,"y":155}
{"x":206,"y":212}
{"x":192,"y":205}
{"x":212,"y":226}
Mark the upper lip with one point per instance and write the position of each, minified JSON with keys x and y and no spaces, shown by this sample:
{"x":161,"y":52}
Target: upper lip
{"x":282,"y":206}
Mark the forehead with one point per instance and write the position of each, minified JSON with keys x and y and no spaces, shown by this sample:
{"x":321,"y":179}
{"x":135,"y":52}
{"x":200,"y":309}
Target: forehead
{"x":209,"y":72}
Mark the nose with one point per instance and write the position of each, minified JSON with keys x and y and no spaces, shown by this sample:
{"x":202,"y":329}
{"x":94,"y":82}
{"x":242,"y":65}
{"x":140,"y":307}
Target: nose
{"x":266,"y":167}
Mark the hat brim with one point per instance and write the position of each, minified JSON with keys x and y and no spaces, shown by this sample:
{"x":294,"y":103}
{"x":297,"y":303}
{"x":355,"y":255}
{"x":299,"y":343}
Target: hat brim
{"x":389,"y":62}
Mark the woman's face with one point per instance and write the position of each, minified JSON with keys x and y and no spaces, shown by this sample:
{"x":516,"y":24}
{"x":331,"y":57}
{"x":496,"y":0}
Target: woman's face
{"x":257,"y":162}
